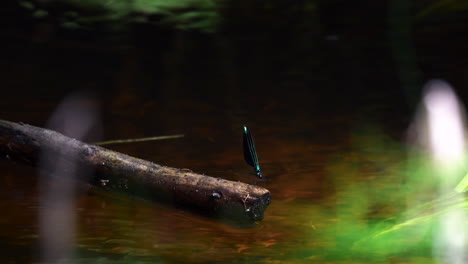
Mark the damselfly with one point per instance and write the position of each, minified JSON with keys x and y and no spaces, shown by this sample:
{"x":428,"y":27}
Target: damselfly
{"x":250,"y":154}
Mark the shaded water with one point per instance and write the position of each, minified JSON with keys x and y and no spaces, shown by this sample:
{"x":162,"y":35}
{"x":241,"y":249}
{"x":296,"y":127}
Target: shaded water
{"x":326,"y":172}
{"x":329,"y":127}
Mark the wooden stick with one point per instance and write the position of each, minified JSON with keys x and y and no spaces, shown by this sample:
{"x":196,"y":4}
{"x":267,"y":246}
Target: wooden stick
{"x":216,"y":197}
{"x":125,"y":141}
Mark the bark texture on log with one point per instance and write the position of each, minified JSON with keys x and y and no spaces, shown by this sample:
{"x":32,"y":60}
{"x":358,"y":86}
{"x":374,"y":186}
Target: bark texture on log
{"x":236,"y":201}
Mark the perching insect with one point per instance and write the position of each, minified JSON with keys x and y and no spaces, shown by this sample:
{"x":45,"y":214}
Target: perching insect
{"x":250,"y":154}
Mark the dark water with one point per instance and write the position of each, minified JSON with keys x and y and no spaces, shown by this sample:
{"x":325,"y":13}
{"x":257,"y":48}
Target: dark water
{"x":329,"y":113}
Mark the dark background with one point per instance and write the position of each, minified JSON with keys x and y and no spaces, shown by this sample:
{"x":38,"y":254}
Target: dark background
{"x":301,"y":56}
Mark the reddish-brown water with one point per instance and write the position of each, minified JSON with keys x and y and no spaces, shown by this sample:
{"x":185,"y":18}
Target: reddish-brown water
{"x":325,"y":170}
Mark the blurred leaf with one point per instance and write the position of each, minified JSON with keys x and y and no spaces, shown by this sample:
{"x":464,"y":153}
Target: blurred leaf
{"x":40,"y":13}
{"x":26,"y":4}
{"x":411,"y":230}
{"x":182,"y":14}
{"x":463,"y":185}
{"x":443,"y":6}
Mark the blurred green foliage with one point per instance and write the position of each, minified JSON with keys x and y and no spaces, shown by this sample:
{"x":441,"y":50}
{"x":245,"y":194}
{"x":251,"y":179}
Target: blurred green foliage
{"x":200,"y":15}
{"x":441,"y":8}
{"x":385,"y":207}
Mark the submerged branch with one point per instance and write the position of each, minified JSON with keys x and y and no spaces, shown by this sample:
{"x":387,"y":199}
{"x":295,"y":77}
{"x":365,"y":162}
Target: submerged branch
{"x":117,"y":172}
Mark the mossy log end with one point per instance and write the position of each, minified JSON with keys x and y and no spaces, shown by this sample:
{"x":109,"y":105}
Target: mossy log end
{"x":215,"y":197}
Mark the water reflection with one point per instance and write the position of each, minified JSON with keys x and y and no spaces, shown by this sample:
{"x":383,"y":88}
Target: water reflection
{"x":317,"y":178}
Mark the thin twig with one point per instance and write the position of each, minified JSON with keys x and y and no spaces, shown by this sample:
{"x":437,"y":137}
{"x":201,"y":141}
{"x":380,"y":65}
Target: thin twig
{"x":121,"y":141}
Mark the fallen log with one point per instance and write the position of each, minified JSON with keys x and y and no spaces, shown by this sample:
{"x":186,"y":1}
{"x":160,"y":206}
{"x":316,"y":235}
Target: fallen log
{"x":117,"y":172}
